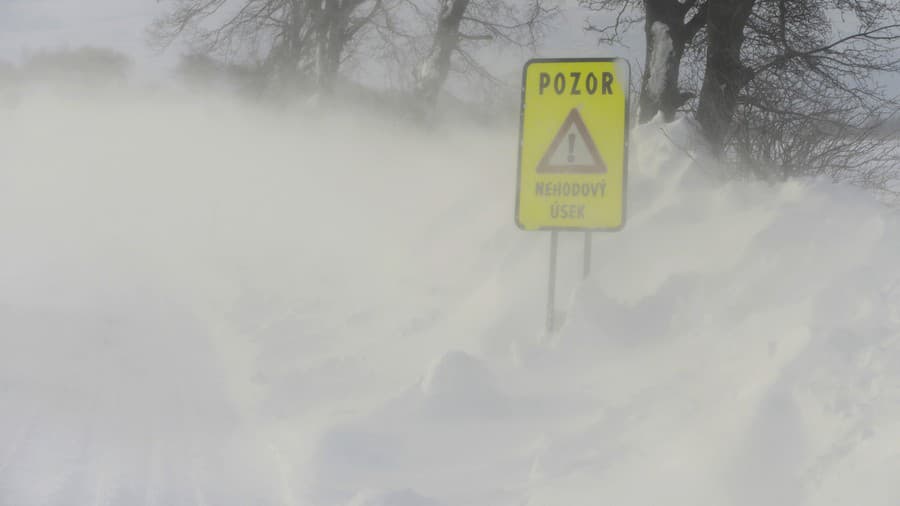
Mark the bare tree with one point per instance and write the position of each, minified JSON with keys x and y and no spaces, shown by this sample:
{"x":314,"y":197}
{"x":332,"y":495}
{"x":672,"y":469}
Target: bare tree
{"x":335,"y":25}
{"x":462,"y":25}
{"x":795,"y":136}
{"x":809,"y":100}
{"x":789,"y":87}
{"x":294,"y":37}
{"x":670,"y":27}
{"x":725,"y":72}
{"x":793,"y":56}
{"x":86,"y":65}
{"x":432,"y":72}
{"x":200,"y":70}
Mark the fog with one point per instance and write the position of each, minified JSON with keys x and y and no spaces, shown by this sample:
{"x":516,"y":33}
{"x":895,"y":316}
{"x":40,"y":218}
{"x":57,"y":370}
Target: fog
{"x":208,"y":300}
{"x":193,"y":287}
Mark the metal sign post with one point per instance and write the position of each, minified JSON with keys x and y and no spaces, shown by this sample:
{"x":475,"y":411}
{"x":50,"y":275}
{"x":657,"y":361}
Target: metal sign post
{"x":551,"y":287}
{"x":587,"y":255}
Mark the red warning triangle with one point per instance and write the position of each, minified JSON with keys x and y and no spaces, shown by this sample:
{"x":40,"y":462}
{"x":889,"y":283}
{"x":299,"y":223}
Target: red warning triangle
{"x":573,"y":150}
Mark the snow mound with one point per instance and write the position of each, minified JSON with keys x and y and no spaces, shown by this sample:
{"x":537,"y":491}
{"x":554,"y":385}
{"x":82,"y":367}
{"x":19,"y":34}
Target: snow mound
{"x":456,"y":373}
{"x":203,"y":302}
{"x":392,"y":498}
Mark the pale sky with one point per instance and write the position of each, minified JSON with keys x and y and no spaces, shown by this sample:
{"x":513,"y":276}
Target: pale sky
{"x":27,"y":25}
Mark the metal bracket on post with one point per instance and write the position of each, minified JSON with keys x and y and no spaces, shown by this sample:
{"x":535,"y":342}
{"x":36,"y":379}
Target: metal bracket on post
{"x":551,"y":287}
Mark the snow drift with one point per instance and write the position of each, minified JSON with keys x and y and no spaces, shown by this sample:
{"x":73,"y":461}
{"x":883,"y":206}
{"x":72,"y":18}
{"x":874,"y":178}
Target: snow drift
{"x":203,"y":302}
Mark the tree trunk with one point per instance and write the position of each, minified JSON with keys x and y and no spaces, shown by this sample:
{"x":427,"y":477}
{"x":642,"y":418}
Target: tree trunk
{"x":287,"y":56}
{"x":433,"y":70}
{"x":725,"y":74}
{"x":666,"y":37}
{"x":332,"y":18}
{"x":326,"y":69}
{"x":337,"y":38}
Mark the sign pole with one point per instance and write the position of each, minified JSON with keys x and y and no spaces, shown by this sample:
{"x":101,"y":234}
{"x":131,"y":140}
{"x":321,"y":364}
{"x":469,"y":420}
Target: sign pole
{"x":551,"y":286}
{"x":587,"y":254}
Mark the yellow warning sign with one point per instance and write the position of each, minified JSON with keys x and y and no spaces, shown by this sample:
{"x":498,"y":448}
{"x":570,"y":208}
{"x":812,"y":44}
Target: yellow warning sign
{"x":573,"y":144}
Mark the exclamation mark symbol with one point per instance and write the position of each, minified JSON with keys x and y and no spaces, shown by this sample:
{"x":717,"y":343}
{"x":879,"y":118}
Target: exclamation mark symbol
{"x":571,"y":148}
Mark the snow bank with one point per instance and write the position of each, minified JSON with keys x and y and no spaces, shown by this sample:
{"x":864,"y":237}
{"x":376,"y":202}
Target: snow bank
{"x":209,"y":303}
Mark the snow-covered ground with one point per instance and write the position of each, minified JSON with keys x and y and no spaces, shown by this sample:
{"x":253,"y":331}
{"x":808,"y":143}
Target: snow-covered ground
{"x":203,"y":303}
